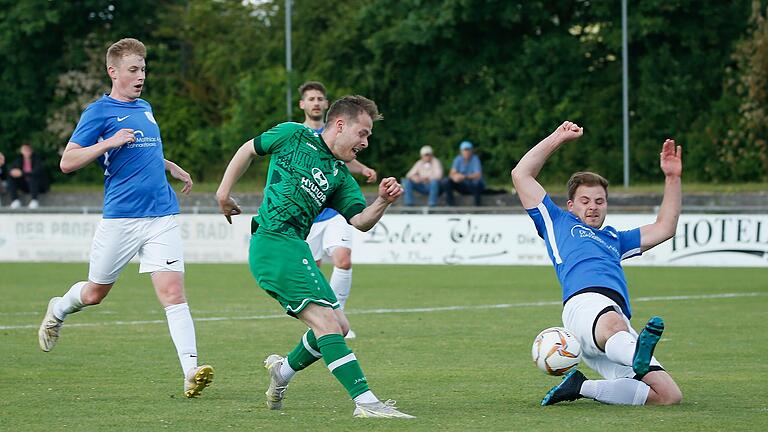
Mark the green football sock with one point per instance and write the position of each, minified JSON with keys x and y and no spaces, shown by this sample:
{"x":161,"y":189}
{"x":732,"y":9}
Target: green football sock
{"x":305,"y":353}
{"x":343,"y":364}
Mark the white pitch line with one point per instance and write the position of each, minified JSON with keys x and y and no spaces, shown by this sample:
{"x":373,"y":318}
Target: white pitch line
{"x":406,"y":310}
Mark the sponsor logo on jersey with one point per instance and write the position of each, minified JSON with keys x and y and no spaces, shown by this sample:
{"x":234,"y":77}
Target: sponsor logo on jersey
{"x":142,"y":141}
{"x":314,"y":191}
{"x":336,"y":168}
{"x":150,"y":117}
{"x":310,"y":144}
{"x":119,"y":119}
{"x":585,"y":232}
{"x":320,"y":178}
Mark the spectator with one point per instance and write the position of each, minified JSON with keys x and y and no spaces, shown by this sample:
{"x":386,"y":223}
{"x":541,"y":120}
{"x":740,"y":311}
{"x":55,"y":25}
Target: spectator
{"x":466,"y":175}
{"x":3,"y":175}
{"x":424,"y":177}
{"x":27,"y":175}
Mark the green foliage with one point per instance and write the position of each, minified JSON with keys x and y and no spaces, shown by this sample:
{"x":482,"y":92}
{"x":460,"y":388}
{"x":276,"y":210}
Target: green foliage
{"x":502,"y":74}
{"x":744,"y":149}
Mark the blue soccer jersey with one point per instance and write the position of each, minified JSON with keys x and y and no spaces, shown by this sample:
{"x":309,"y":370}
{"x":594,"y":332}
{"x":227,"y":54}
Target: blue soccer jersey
{"x":583,"y":256}
{"x":135,"y":185}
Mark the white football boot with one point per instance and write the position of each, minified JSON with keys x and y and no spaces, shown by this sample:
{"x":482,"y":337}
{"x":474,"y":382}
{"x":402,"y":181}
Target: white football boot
{"x":48,"y":334}
{"x":277,"y":384}
{"x":379,"y":410}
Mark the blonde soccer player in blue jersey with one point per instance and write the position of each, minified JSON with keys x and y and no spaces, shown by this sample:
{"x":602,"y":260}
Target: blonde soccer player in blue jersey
{"x":120,"y":132}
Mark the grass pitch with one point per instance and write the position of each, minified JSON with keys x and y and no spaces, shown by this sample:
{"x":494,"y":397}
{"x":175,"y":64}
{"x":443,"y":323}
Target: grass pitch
{"x":451,"y":344}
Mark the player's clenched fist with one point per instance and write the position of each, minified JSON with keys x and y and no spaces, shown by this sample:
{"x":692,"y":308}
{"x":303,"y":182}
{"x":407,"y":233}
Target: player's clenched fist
{"x":390,"y":190}
{"x":568,"y":131}
{"x":123,"y":136}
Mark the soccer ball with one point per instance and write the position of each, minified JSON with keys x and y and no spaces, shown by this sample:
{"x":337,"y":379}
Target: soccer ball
{"x":556,"y":351}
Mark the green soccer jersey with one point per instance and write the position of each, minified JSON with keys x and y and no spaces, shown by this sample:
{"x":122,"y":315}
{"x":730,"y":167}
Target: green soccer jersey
{"x":304,"y":177}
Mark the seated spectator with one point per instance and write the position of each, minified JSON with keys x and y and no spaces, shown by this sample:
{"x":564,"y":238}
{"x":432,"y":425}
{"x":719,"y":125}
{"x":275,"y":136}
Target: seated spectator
{"x":3,"y":175}
{"x":27,"y":175}
{"x":424,"y":177}
{"x":466,"y":175}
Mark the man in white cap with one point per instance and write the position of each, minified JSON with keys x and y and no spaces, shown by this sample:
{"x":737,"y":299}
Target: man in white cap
{"x":424,"y":177}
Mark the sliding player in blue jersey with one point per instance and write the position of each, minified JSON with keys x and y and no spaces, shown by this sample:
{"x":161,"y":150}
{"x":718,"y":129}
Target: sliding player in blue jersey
{"x":587,"y":259}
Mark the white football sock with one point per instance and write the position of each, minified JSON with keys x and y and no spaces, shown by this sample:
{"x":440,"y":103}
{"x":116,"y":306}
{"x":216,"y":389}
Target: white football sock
{"x":70,"y":302}
{"x":619,"y":391}
{"x":341,"y":283}
{"x":367,"y":397}
{"x":183,"y":334}
{"x":286,"y":371}
{"x":620,"y":348}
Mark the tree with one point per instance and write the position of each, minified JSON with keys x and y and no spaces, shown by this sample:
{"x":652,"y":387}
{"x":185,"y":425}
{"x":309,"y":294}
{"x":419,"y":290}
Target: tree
{"x":744,"y":147}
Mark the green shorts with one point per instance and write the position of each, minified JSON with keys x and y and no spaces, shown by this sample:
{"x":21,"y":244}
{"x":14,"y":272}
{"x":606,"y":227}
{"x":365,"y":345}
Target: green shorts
{"x":283,"y":267}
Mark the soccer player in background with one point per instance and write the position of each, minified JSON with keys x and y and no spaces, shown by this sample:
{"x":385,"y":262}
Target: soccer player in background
{"x":140,"y":208}
{"x":308,"y":172}
{"x":331,"y":235}
{"x":587,"y":259}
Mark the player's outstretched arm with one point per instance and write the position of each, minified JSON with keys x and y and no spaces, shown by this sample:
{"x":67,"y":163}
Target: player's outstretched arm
{"x":179,"y":174}
{"x":237,"y":166}
{"x":671,"y":161}
{"x":530,"y":192}
{"x":358,"y":167}
{"x":389,"y":191}
{"x":76,"y":156}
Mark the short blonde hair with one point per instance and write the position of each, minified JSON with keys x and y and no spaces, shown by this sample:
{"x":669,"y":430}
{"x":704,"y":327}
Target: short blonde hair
{"x":124,"y":47}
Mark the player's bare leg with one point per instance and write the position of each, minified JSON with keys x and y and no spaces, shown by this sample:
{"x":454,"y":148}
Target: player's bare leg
{"x":664,"y":390}
{"x":79,"y":295}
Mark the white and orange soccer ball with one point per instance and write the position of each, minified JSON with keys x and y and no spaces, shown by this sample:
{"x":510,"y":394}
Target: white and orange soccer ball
{"x":556,"y":351}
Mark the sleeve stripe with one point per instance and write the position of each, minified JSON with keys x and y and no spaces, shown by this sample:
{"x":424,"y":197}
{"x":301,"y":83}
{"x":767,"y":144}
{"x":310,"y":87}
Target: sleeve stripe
{"x":550,"y":232}
{"x":257,"y":146}
{"x":630,"y":253}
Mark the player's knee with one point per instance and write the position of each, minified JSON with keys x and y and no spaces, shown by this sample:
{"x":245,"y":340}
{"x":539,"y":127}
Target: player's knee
{"x":172,"y":295}
{"x":343,"y":261}
{"x":611,"y":323}
{"x":92,"y":297}
{"x":344,"y":328}
{"x":667,"y":394}
{"x":322,"y":329}
{"x":672,"y":396}
{"x":343,"y":323}
{"x":326,"y":325}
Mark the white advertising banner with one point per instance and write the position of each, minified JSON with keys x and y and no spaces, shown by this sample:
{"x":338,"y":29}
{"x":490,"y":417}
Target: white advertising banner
{"x":701,"y":240}
{"x":737,"y":240}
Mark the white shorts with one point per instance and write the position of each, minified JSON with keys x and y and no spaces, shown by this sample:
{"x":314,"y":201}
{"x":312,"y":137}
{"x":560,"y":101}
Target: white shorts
{"x":156,"y":240}
{"x":329,"y":234}
{"x":579,"y":316}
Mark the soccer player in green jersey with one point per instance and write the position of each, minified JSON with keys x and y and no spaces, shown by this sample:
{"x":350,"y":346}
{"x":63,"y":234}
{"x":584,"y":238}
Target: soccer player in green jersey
{"x":331,"y":236}
{"x":307,"y":173}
